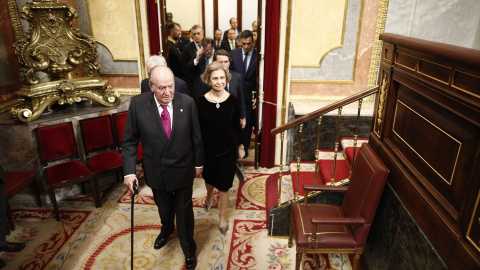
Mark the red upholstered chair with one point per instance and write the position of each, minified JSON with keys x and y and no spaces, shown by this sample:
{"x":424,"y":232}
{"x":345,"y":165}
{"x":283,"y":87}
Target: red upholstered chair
{"x":119,"y":120}
{"x":99,"y":144}
{"x":323,"y":228}
{"x":59,"y":155}
{"x":15,"y":182}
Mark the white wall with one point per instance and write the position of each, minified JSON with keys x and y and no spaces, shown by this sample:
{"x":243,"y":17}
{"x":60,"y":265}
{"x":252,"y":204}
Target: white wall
{"x":455,"y":22}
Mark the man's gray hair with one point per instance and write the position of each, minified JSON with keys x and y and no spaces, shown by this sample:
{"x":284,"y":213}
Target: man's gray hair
{"x":156,"y":60}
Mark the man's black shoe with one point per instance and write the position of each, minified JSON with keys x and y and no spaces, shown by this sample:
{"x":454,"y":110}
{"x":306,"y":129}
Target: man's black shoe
{"x":160,"y":241}
{"x":12,"y":247}
{"x":190,"y":263}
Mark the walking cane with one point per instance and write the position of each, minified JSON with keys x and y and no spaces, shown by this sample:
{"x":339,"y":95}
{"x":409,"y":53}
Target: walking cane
{"x":135,"y":191}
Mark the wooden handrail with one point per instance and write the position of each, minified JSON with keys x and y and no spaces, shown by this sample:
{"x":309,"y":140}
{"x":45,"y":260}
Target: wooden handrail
{"x":325,"y":110}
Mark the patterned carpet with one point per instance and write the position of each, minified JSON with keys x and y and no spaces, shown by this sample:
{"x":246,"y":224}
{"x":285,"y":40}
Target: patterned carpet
{"x":90,"y":238}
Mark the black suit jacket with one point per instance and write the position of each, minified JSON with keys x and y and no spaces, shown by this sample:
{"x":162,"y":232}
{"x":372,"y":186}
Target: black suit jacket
{"x":180,"y":86}
{"x":174,"y":59}
{"x":188,"y":54}
{"x":219,"y":45}
{"x":169,"y":163}
{"x":250,"y":78}
{"x":235,"y":87}
{"x":225,"y":33}
{"x":197,"y":86}
{"x":226,"y":45}
{"x":182,"y":41}
{"x":2,"y":175}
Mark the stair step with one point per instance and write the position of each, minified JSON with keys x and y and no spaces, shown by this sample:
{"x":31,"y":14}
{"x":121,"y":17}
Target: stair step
{"x":347,"y":146}
{"x":307,"y":175}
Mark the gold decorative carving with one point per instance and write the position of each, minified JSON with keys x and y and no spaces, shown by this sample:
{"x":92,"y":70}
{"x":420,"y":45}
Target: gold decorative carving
{"x":42,"y":96}
{"x":52,"y":45}
{"x":15,"y":19}
{"x":127,"y":91}
{"x":377,"y":45}
{"x":381,"y":105}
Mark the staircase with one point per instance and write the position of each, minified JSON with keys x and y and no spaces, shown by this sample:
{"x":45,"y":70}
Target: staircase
{"x":330,"y":167}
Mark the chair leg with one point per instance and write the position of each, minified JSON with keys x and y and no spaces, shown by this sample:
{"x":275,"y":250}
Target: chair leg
{"x":95,"y":192}
{"x":290,"y":238}
{"x":36,"y":190}
{"x":298,"y":261}
{"x":51,"y":192}
{"x":356,"y":258}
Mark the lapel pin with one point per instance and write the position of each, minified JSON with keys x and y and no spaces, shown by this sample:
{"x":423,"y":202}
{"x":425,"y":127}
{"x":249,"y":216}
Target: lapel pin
{"x":181,"y":110}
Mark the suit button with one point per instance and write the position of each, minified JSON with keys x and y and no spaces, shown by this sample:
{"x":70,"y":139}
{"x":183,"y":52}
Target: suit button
{"x":156,"y":142}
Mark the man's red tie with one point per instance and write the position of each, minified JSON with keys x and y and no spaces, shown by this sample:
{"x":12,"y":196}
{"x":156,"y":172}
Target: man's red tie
{"x":166,"y":122}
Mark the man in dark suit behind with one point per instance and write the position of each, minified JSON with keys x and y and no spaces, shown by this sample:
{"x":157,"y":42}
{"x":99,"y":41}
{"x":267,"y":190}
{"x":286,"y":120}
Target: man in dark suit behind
{"x":4,"y":245}
{"x":190,"y":52}
{"x":156,"y":60}
{"x":233,"y":25}
{"x":167,"y":124}
{"x":174,"y":57}
{"x":229,"y":44}
{"x":244,"y":61}
{"x":235,"y":85}
{"x":197,"y":65}
{"x":182,"y":41}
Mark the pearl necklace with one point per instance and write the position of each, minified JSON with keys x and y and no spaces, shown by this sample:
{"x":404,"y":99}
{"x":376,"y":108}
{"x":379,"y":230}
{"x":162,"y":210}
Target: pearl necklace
{"x":217,"y":101}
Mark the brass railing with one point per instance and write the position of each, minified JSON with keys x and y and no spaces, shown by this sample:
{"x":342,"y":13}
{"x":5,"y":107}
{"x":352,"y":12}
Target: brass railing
{"x":319,"y":114}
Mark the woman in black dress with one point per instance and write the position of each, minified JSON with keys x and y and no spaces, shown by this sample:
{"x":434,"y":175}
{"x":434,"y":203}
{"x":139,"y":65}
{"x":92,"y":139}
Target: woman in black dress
{"x":218,"y":112}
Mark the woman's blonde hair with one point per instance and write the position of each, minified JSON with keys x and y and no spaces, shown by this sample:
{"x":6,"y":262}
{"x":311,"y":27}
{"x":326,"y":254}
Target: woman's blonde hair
{"x":215,"y":65}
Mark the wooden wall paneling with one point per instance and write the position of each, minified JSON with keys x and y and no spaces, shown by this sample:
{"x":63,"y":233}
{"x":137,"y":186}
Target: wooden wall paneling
{"x":431,"y":141}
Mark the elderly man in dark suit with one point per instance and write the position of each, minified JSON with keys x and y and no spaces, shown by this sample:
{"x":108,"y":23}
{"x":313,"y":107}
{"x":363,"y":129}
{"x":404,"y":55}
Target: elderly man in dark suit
{"x":156,"y":60}
{"x":167,"y":124}
{"x":235,"y":86}
{"x":244,"y":61}
{"x":4,"y":245}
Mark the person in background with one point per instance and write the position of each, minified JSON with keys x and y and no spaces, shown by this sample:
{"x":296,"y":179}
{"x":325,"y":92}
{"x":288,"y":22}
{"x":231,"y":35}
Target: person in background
{"x":4,"y":244}
{"x":197,"y":66}
{"x":218,"y":114}
{"x":157,"y":60}
{"x":234,"y":26}
{"x":230,"y":43}
{"x":218,"y":39}
{"x":235,"y":86}
{"x":174,"y":57}
{"x":182,"y":41}
{"x":254,"y":32}
{"x":190,"y":52}
{"x":244,"y":61}
{"x":254,"y":25}
{"x":167,"y":125}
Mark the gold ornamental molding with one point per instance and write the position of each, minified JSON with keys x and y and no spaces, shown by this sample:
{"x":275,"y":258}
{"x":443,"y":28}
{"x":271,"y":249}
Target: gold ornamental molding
{"x":382,"y":98}
{"x":128,"y":91}
{"x":377,"y":45}
{"x":15,"y":19}
{"x":54,"y":46}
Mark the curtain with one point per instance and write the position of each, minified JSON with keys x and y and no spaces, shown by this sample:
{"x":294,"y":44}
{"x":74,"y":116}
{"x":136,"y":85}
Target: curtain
{"x":272,"y":28}
{"x":153,"y":37}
